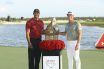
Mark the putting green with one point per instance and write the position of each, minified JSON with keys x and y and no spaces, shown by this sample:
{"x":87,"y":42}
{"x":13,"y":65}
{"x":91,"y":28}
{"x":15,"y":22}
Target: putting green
{"x":16,"y":58}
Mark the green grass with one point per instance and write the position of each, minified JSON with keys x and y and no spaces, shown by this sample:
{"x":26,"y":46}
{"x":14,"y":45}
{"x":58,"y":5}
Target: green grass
{"x":16,"y":58}
{"x":13,"y":58}
{"x":90,"y":59}
{"x":100,"y":24}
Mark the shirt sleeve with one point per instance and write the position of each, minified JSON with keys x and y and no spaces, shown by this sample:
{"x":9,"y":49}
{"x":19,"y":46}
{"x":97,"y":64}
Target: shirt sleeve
{"x":79,"y":27}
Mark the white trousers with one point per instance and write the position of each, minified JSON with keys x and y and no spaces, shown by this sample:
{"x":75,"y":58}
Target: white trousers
{"x":71,"y":53}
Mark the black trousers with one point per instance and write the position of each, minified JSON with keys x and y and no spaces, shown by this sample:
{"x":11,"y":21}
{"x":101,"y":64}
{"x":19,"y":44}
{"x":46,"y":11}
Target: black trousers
{"x":34,"y":54}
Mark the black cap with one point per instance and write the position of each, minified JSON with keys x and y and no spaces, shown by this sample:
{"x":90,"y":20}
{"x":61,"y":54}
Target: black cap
{"x":36,"y":10}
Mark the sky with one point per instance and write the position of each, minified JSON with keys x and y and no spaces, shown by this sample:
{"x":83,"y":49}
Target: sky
{"x":51,"y":8}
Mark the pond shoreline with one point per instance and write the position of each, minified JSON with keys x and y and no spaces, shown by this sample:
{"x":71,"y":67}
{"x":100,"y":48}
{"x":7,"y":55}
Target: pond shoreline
{"x":60,"y":22}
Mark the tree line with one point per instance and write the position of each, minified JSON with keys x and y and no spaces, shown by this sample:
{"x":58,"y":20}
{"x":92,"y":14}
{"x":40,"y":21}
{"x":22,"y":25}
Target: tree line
{"x":10,"y":19}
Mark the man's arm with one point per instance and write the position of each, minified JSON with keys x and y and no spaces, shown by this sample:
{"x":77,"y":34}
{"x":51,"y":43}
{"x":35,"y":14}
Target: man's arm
{"x":79,"y":36}
{"x":63,"y":33}
{"x":79,"y":39}
{"x":28,"y":39}
{"x":28,"y":36}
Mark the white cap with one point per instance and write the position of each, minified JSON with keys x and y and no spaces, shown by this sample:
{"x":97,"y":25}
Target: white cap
{"x":70,"y":13}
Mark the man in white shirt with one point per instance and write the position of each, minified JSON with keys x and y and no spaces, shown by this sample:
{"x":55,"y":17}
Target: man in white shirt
{"x":73,"y":32}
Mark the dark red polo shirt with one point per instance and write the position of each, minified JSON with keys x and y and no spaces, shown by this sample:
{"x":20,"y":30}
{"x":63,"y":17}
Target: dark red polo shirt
{"x":36,"y":27}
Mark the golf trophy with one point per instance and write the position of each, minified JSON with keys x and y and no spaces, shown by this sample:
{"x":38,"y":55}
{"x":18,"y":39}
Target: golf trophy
{"x":51,"y":47}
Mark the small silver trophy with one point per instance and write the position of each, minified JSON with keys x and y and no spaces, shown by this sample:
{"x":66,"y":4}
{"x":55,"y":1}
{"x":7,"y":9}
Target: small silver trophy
{"x":52,"y":30}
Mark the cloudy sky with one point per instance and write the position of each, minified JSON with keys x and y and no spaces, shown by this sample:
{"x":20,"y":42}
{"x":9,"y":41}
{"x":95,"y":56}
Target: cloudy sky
{"x":51,"y":8}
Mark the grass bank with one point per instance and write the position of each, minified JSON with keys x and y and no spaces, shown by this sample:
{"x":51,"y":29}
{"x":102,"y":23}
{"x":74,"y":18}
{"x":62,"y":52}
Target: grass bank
{"x":100,"y":24}
{"x":62,"y":22}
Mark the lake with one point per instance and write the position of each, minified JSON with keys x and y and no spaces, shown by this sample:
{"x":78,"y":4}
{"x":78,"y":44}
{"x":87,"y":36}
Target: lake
{"x":14,"y":35}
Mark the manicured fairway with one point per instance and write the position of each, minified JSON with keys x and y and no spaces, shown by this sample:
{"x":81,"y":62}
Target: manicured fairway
{"x":16,"y":58}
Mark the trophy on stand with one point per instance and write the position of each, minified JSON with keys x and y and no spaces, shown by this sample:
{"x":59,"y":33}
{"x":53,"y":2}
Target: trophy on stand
{"x":52,"y":31}
{"x":51,"y":47}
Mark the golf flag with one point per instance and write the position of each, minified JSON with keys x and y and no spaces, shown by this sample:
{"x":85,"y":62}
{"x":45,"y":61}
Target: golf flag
{"x":100,"y":42}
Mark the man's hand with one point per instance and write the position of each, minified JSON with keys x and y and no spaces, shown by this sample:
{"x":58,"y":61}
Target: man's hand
{"x":28,"y":38}
{"x":63,"y":33}
{"x":77,"y":47}
{"x":30,"y":45}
